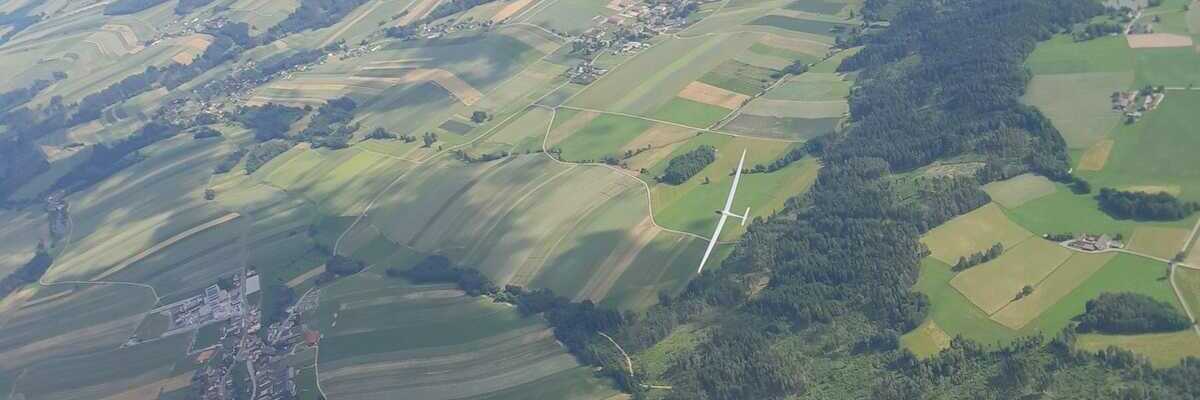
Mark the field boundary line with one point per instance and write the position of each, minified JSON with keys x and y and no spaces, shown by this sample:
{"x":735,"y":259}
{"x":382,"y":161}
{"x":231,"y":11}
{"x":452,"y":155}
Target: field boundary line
{"x":560,"y":37}
{"x":353,"y":22}
{"x":515,"y":204}
{"x":70,"y":232}
{"x":1035,"y":285}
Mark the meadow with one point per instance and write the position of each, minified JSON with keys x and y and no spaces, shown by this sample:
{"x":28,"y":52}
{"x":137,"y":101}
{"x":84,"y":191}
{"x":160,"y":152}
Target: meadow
{"x":972,"y":233}
{"x":1079,"y":103}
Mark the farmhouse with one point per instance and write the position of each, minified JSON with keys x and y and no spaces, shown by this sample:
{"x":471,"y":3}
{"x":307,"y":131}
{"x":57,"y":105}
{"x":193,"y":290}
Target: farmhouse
{"x":1094,"y":243}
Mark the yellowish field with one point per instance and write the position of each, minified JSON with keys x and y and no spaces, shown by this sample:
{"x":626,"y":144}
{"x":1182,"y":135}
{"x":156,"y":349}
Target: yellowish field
{"x":994,"y":284}
{"x":194,"y":45}
{"x":510,"y":9}
{"x":1158,"y":241}
{"x":712,"y":95}
{"x":1071,"y":274}
{"x":1163,"y":349}
{"x":1158,"y":40}
{"x":1096,"y":156}
{"x":1018,"y":190}
{"x":799,"y":45}
{"x":1173,"y":190}
{"x":973,"y":232}
{"x":662,"y":140}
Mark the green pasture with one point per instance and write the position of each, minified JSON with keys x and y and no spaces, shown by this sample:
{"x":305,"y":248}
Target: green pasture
{"x":153,"y":326}
{"x":781,"y":127}
{"x":689,"y":206}
{"x":1064,"y":211}
{"x":654,"y":76}
{"x":1013,"y":192}
{"x":1158,"y":149}
{"x":691,"y":113}
{"x":766,"y":61}
{"x":739,"y":77}
{"x":1124,"y":273}
{"x":1048,"y":291}
{"x":830,"y":65}
{"x":23,"y":230}
{"x":115,"y":219}
{"x":674,"y":258}
{"x":1062,"y":55}
{"x":571,"y":17}
{"x":578,"y":383}
{"x":93,"y":376}
{"x":996,"y":283}
{"x":526,"y":131}
{"x":782,"y":53}
{"x":207,"y":335}
{"x":816,"y":6}
{"x":1079,"y":104}
{"x":952,"y":311}
{"x":603,"y":136}
{"x":813,"y":26}
{"x":1188,"y":281}
{"x":811,"y":86}
{"x":1170,"y":66}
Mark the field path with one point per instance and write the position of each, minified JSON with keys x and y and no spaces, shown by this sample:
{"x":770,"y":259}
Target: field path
{"x":332,"y":38}
{"x":1179,"y":294}
{"x":166,"y":243}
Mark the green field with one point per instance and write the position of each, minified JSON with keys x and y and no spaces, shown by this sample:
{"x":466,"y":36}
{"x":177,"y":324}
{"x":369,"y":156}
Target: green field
{"x":690,"y":113}
{"x":603,"y":136}
{"x":207,"y":335}
{"x":687,"y":206}
{"x":1158,"y":149}
{"x":153,"y":326}
{"x":93,"y":376}
{"x":816,"y":27}
{"x":782,"y":128}
{"x":1173,"y":66}
{"x":1164,"y":350}
{"x":1124,"y":273}
{"x":385,"y":337}
{"x":739,"y":77}
{"x":1018,"y":190}
{"x":671,"y":65}
{"x":1062,"y":55}
{"x":1063,"y":211}
{"x":811,"y":86}
{"x":952,"y":312}
{"x":1080,"y":104}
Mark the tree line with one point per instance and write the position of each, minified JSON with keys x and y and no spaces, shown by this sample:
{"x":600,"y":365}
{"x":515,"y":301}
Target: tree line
{"x":978,"y":258}
{"x":28,"y":273}
{"x":1144,"y":206}
{"x":1130,"y":313}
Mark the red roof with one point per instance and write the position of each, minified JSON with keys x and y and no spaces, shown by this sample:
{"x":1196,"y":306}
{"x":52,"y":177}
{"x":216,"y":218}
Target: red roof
{"x":311,"y":337}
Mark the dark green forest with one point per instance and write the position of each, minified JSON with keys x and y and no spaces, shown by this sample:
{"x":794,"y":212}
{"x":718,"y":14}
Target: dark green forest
{"x":684,"y":166}
{"x":1130,"y":313}
{"x":1144,"y":206}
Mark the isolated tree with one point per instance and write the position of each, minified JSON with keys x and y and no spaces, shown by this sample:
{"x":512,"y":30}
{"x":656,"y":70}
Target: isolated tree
{"x":479,"y":116}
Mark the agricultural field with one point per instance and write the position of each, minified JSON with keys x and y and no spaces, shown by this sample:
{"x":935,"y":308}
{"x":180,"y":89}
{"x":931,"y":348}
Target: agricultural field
{"x":973,"y":232}
{"x":1013,"y":192}
{"x":362,"y":355}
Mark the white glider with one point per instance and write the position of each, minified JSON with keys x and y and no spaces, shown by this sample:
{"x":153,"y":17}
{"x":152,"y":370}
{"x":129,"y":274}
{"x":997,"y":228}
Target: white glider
{"x":725,"y":213}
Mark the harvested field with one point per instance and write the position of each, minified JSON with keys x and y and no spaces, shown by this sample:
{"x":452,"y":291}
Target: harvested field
{"x":661,"y":139}
{"x":510,"y":9}
{"x":1163,"y":349}
{"x":973,"y":232}
{"x":447,"y":80}
{"x":1157,"y":40}
{"x":712,"y":95}
{"x":927,"y":340}
{"x":1158,"y":241}
{"x":1018,"y":190}
{"x":1096,"y":156}
{"x":194,"y":46}
{"x":994,"y":284}
{"x":810,"y":47}
{"x":1059,"y":284}
{"x":1173,"y":190}
{"x":312,"y":273}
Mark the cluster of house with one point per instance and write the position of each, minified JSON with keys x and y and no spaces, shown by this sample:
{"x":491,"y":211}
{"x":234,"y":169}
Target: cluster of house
{"x":1133,"y":104}
{"x":1089,"y":242}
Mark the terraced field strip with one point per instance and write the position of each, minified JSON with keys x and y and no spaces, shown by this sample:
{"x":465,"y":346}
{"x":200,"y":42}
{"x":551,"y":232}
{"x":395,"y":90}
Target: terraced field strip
{"x":1158,"y":40}
{"x":446,"y":79}
{"x":510,"y":9}
{"x":164,"y":244}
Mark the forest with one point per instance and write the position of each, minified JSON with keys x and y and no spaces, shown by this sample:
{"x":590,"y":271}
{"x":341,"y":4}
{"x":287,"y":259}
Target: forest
{"x":684,"y":166}
{"x":1143,"y":206}
{"x":1130,"y":313}
{"x":185,"y":7}
{"x":124,"y":7}
{"x":978,"y":258}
